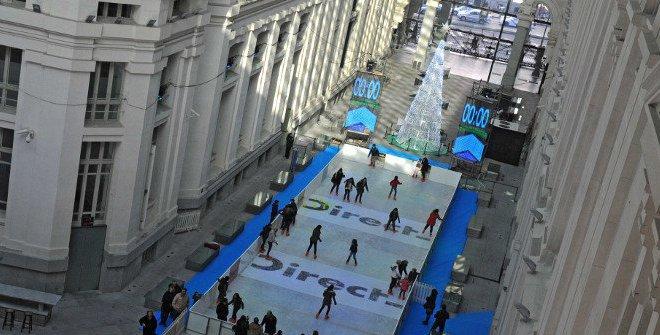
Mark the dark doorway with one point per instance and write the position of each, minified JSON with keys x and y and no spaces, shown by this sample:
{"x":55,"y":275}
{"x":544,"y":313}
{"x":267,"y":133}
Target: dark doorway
{"x":85,"y":257}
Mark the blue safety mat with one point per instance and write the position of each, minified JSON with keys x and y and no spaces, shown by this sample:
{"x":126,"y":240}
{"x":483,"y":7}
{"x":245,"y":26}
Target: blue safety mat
{"x":437,"y":272}
{"x":407,"y":155}
{"x":204,"y":279}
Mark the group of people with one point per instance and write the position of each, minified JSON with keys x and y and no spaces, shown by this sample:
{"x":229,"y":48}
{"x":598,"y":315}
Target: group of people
{"x":441,"y":316}
{"x":268,"y":233}
{"x":400,"y":277}
{"x":422,"y":167}
{"x":349,"y":185}
{"x":174,"y":302}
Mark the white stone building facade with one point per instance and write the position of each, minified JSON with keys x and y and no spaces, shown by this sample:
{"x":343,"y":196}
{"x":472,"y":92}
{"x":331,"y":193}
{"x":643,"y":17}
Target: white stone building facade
{"x":588,"y":214}
{"x":133,"y":113}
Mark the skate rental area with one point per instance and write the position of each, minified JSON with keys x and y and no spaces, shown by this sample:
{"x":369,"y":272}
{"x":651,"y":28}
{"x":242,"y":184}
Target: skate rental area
{"x":291,"y":284}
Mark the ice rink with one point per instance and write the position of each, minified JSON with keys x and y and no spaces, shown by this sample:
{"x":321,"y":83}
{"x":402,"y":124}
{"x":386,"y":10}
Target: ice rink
{"x":291,"y":284}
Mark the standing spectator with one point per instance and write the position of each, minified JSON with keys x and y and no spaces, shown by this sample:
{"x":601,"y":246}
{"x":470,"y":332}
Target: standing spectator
{"x":274,"y":209}
{"x":394,"y":277}
{"x":374,"y":154}
{"x":348,"y":187}
{"x":265,"y":231}
{"x":269,"y":322}
{"x":328,"y":298}
{"x":242,"y":326}
{"x":430,"y":222}
{"x":222,"y":309}
{"x":314,"y":239}
{"x":180,"y":303}
{"x":429,"y":305}
{"x":166,"y":304}
{"x":426,"y":168}
{"x":255,"y":328}
{"x":360,"y":187}
{"x":394,"y":184}
{"x":149,"y":324}
{"x":394,"y":216}
{"x":404,"y":284}
{"x":236,"y":305}
{"x":271,"y":239}
{"x":353,"y":251}
{"x":440,"y":319}
{"x":336,"y":181}
{"x":289,"y":144}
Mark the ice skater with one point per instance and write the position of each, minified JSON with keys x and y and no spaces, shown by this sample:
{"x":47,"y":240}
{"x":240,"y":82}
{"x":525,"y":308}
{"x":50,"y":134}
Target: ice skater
{"x":336,"y":181}
{"x":348,"y":187}
{"x":417,"y":169}
{"x":430,"y":222}
{"x":223,"y":285}
{"x":352,"y":251}
{"x":404,"y":284}
{"x":394,"y":277}
{"x":236,"y":305}
{"x":314,"y":240}
{"x":288,"y":216}
{"x":394,"y":184}
{"x":329,"y":296}
{"x":402,"y":266}
{"x":412,"y":276}
{"x":222,"y":309}
{"x":359,"y":188}
{"x":271,"y":240}
{"x":265,"y":231}
{"x":294,"y":208}
{"x":394,"y":216}
{"x":274,"y":210}
{"x":426,"y":168}
{"x":374,"y":154}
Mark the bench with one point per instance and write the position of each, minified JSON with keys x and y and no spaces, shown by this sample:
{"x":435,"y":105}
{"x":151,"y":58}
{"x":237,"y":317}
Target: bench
{"x":484,"y":198}
{"x":303,"y":162}
{"x":227,"y":231}
{"x":281,"y":181}
{"x":24,"y":300}
{"x":460,"y":269}
{"x":152,"y":300}
{"x":475,"y":228}
{"x":258,"y":202}
{"x":453,"y":297}
{"x":200,"y":258}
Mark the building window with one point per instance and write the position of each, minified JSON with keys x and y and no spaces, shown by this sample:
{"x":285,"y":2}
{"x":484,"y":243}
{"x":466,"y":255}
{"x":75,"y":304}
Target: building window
{"x":114,"y":10}
{"x":10,"y":74}
{"x":6,"y":144}
{"x":94,"y":172}
{"x":104,"y":94}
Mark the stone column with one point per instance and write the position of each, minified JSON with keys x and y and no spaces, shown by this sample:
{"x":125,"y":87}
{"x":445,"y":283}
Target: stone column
{"x":517,"y":50}
{"x":281,"y":100}
{"x":426,"y":34}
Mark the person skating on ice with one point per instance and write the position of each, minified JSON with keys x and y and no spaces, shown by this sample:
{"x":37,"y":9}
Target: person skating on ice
{"x":314,"y":240}
{"x":404,"y":284}
{"x":336,"y":181}
{"x":348,"y":187}
{"x":269,"y":322}
{"x":402,"y":266}
{"x":294,"y":208}
{"x":394,"y":184}
{"x":359,"y":188}
{"x":352,"y":251}
{"x":430,"y":222}
{"x":373,"y":154}
{"x":236,"y":305}
{"x":417,"y":168}
{"x":412,"y":276}
{"x":288,"y":216}
{"x":394,"y":277}
{"x":242,"y":326}
{"x":222,"y":309}
{"x":394,"y":216}
{"x":328,"y":298}
{"x":265,"y":231}
{"x":274,"y":210}
{"x":271,"y":240}
{"x":426,"y":168}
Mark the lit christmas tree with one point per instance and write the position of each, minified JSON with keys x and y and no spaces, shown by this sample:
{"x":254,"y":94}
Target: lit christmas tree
{"x":421,"y":128}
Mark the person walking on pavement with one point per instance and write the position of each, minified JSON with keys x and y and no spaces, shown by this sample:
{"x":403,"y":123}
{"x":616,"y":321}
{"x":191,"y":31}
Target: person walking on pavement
{"x":289,"y":144}
{"x":440,"y":319}
{"x":149,"y":324}
{"x":394,"y":184}
{"x":271,"y":240}
{"x":180,"y":303}
{"x":242,"y":326}
{"x":352,"y":251}
{"x":236,"y":305}
{"x":328,"y":298}
{"x":336,"y":181}
{"x":394,"y":216}
{"x":255,"y":328}
{"x":265,"y":231}
{"x":274,"y":210}
{"x":394,"y":277}
{"x":429,"y":305}
{"x":222,"y":309}
{"x":360,"y":187}
{"x":430,"y":222}
{"x":374,"y":154}
{"x":426,"y":168}
{"x":269,"y":322}
{"x":166,"y":304}
{"x":314,"y":240}
{"x":348,"y":187}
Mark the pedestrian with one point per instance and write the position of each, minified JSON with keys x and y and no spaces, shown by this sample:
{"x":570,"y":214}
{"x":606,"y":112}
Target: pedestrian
{"x":429,"y":305}
{"x":236,"y":305}
{"x":265,"y":231}
{"x":271,"y":239}
{"x":269,"y":322}
{"x":394,"y":277}
{"x":289,"y":144}
{"x":404,"y":284}
{"x":255,"y":328}
{"x":426,"y":168}
{"x":180,"y":303}
{"x":394,"y":216}
{"x":222,"y":309}
{"x":430,"y":222}
{"x":274,"y":209}
{"x":374,"y":154}
{"x":223,"y":285}
{"x":412,"y":276}
{"x":149,"y":323}
{"x":166,"y":304}
{"x":328,"y":298}
{"x":360,"y":187}
{"x":348,"y":187}
{"x":314,"y":240}
{"x":394,"y":184}
{"x":440,"y":319}
{"x":177,"y":287}
{"x":288,"y":216}
{"x":353,"y":251}
{"x":402,"y":266}
{"x":242,"y":326}
{"x":336,"y":181}
{"x":417,"y":168}
{"x":294,"y":209}
{"x":316,"y":332}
